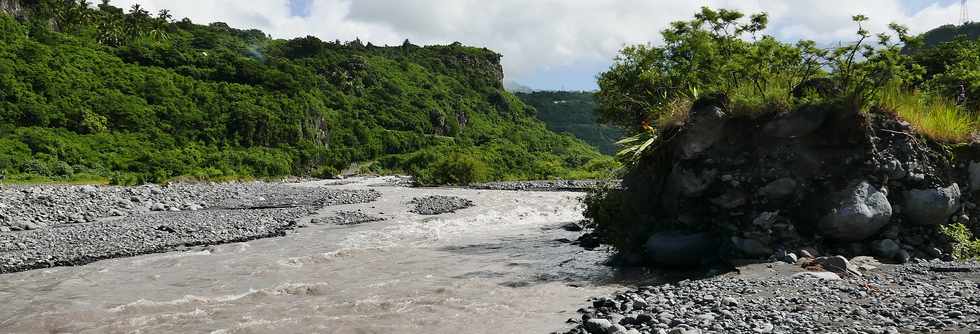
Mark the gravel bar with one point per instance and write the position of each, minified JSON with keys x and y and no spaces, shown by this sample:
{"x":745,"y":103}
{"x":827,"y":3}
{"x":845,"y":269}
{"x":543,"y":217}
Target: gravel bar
{"x":437,"y":205}
{"x":911,"y":298}
{"x":47,"y":226}
{"x":548,"y":185}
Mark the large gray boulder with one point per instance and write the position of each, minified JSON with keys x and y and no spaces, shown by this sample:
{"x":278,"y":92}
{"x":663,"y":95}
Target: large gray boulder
{"x":680,"y":249}
{"x":975,"y":176}
{"x":932,"y":206}
{"x":857,"y":213}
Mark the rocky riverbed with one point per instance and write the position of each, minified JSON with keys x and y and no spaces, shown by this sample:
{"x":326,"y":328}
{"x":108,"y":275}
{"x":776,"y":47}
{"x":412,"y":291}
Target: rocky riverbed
{"x":45,"y":226}
{"x":921,"y":297}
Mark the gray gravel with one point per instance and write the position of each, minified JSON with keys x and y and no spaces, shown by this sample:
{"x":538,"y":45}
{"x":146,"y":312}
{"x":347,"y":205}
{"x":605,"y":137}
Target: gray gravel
{"x":347,"y":218}
{"x":34,"y":207}
{"x":776,"y":298}
{"x":47,"y":226}
{"x":436,"y":205}
{"x":547,"y":185}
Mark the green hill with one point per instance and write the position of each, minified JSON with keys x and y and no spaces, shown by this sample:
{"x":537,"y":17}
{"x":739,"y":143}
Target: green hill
{"x":574,"y":113}
{"x":951,"y":32}
{"x":135,"y":97}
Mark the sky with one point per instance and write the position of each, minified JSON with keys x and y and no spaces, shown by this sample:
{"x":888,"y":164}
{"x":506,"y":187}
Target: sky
{"x":547,"y":44}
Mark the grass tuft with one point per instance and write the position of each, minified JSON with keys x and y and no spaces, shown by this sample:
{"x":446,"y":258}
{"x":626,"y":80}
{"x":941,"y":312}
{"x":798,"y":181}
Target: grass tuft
{"x":935,"y":117}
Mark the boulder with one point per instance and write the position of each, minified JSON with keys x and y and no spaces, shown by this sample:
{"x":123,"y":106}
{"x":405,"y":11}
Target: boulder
{"x":597,"y":326}
{"x":704,"y":128}
{"x":835,"y":264}
{"x":887,"y":249}
{"x":932,"y":206}
{"x":797,"y":123}
{"x":974,"y":170}
{"x":751,"y":247}
{"x":679,"y":249}
{"x":857,"y":213}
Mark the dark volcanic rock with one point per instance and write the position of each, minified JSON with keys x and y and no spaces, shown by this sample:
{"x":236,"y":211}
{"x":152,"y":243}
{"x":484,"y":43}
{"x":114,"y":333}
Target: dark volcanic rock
{"x":932,"y":206}
{"x":856,"y":214}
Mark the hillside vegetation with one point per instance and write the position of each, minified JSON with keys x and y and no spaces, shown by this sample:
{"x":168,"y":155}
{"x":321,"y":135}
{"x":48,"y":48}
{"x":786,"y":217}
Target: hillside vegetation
{"x":102,"y":92}
{"x":573,"y":113}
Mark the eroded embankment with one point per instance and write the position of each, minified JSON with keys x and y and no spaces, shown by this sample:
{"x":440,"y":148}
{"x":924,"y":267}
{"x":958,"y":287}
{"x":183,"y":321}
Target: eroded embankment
{"x":817,"y":179}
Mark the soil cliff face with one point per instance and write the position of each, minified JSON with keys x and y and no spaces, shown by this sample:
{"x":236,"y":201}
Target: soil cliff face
{"x":819,"y":179}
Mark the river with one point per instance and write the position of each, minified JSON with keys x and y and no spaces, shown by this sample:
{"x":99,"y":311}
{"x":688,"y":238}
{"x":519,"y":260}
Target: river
{"x":492,"y":268}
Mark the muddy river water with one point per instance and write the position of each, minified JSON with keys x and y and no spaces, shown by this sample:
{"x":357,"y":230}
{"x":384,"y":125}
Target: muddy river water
{"x":492,"y":268}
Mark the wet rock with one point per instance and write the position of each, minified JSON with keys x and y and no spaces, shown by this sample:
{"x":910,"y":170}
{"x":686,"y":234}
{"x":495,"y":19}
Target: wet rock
{"x":859,"y":212}
{"x":572,"y":227}
{"x":679,"y":249}
{"x":932,"y":206}
{"x":796,"y":124}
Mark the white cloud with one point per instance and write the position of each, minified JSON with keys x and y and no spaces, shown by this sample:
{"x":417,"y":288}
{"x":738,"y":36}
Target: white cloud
{"x":535,"y":35}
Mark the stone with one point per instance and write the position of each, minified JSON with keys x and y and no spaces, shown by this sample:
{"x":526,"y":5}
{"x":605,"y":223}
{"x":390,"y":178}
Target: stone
{"x":705,"y":127}
{"x":730,"y":200}
{"x":886,"y":249}
{"x":796,"y":123}
{"x":790,"y":258}
{"x":751,"y":247}
{"x":836,"y":264}
{"x":617,"y":328}
{"x":689,"y":183}
{"x":779,"y":189}
{"x":684,"y":330}
{"x":818,"y":275}
{"x":597,"y":326}
{"x":88,"y":189}
{"x":158,"y":207}
{"x":974,"y":171}
{"x":679,"y":249}
{"x":572,"y":227}
{"x":857,"y":214}
{"x":932,"y":206}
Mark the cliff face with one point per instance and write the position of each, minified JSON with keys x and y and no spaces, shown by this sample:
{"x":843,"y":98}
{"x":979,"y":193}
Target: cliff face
{"x":12,"y":7}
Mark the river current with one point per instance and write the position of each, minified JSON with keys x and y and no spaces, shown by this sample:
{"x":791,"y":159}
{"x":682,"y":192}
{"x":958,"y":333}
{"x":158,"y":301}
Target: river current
{"x":493,"y":268}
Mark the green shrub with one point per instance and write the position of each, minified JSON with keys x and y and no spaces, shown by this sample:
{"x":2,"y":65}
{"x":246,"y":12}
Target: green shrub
{"x":964,"y":245}
{"x":459,"y":169}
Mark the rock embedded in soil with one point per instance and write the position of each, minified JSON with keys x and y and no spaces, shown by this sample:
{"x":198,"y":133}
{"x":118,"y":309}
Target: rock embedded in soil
{"x":436,"y":205}
{"x":932,"y":206}
{"x":974,"y":171}
{"x":857,"y":213}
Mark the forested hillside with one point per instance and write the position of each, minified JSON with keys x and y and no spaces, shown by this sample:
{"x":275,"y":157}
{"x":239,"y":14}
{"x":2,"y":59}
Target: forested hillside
{"x":98,"y":91}
{"x":573,"y":113}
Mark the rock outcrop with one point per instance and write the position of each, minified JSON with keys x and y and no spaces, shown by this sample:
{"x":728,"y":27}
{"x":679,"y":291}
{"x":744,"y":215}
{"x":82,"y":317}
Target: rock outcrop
{"x":818,"y":178}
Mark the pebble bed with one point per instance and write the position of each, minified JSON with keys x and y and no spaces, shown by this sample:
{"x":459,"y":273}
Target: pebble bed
{"x":921,"y":297}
